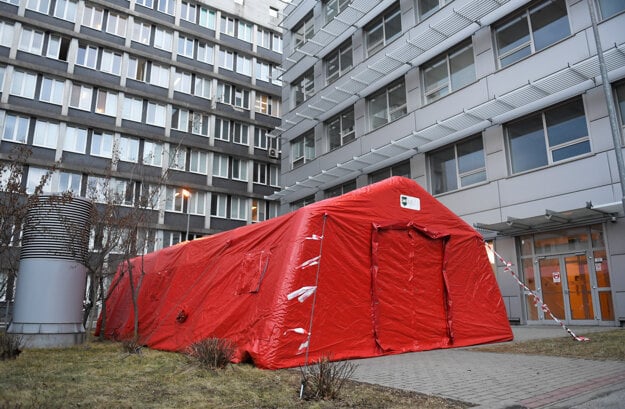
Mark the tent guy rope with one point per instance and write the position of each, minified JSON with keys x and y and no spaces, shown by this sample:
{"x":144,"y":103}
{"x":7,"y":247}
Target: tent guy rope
{"x":537,"y":300}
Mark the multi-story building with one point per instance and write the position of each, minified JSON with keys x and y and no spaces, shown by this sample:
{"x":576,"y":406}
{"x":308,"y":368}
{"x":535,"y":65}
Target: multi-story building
{"x":496,"y":107}
{"x":130,"y":94}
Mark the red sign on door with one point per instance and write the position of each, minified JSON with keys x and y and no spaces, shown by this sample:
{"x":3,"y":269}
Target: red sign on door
{"x":556,"y":276}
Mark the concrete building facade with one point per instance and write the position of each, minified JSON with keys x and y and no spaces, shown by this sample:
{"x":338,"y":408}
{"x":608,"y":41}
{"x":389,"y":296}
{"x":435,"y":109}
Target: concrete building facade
{"x":496,"y":107}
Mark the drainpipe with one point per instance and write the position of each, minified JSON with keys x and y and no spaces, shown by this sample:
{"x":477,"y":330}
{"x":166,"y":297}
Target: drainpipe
{"x":607,"y":89}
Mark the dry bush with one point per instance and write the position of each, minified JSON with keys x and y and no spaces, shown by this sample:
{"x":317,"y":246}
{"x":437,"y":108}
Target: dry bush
{"x":211,"y":353}
{"x":9,"y":346}
{"x":131,"y":346}
{"x":324,"y":379}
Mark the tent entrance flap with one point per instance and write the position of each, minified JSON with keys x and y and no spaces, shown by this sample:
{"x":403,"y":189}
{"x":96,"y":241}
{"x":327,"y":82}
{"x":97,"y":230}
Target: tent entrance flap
{"x":408,"y":290}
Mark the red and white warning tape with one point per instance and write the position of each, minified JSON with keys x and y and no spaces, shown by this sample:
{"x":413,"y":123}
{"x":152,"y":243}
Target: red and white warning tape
{"x":537,"y":300}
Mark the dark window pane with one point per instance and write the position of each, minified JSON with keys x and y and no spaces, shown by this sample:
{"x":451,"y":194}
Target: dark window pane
{"x":444,"y":176}
{"x":611,"y":7}
{"x":566,"y":123}
{"x":549,"y":23}
{"x":512,"y":34}
{"x":527,"y":144}
{"x":470,"y":155}
{"x":571,"y":151}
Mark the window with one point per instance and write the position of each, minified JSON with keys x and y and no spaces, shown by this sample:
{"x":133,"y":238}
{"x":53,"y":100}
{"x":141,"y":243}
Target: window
{"x":198,"y":162}
{"x":196,"y":203}
{"x":240,"y":133}
{"x":111,"y":62}
{"x":276,"y":44}
{"x":609,"y":8}
{"x":70,"y":182}
{"x":31,"y":41}
{"x":205,"y":53}
{"x":116,"y":24}
{"x":66,"y":10}
{"x":302,"y":149}
{"x":274,"y":176}
{"x":334,"y":7}
{"x":137,"y":68}
{"x":35,"y":178}
{"x":273,"y":12}
{"x":52,"y":91}
{"x":553,"y":135}
{"x":303,"y":87}
{"x":159,"y":76}
{"x":267,"y":105}
{"x":174,"y":199}
{"x":188,"y":11}
{"x":400,"y":169}
{"x":141,"y":32}
{"x":163,"y":39}
{"x":263,"y":38}
{"x":448,"y":72}
{"x":75,"y":139}
{"x":23,"y":84}
{"x":166,"y":6}
{"x":81,"y":97}
{"x":219,"y":205}
{"x":340,"y":129}
{"x":534,"y":29}
{"x":133,"y":109}
{"x":220,"y":166}
{"x":177,"y":158}
{"x":238,"y":208}
{"x":303,"y":31}
{"x":260,"y":173}
{"x":15,"y":128}
{"x":426,"y":8}
{"x":383,"y":30}
{"x":102,"y":144}
{"x":259,"y":210}
{"x":263,"y":71}
{"x":338,"y":62}
{"x":92,"y":17}
{"x":40,"y":6}
{"x":244,"y":65}
{"x":156,"y":114}
{"x":46,"y":134}
{"x":226,"y":59}
{"x":222,"y":129}
{"x":260,"y":138}
{"x":183,"y":82}
{"x":207,"y":18}
{"x":145,"y":3}
{"x":227,"y":25}
{"x":106,"y":103}
{"x":387,"y":105}
{"x":229,"y":94}
{"x":244,"y":31}
{"x":200,"y":124}
{"x":152,"y":153}
{"x":457,"y":166}
{"x":298,"y":204}
{"x":340,"y":189}
{"x":180,"y":119}
{"x":620,"y":99}
{"x":58,"y":47}
{"x":128,"y":149}
{"x":6,"y":34}
{"x":202,"y":87}
{"x":87,"y":56}
{"x":185,"y":46}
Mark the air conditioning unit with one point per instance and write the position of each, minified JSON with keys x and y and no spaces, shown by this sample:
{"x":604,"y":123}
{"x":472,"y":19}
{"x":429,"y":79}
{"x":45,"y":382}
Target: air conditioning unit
{"x":273,"y":153}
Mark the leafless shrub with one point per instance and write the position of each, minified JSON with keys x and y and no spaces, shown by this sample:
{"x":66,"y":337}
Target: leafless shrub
{"x":9,"y":346}
{"x":324,"y":379}
{"x":131,"y":346}
{"x":212,"y":353}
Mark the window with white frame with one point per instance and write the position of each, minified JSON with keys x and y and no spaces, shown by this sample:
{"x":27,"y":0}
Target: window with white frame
{"x":65,"y":10}
{"x":303,"y":87}
{"x":387,"y":104}
{"x":200,"y":124}
{"x":238,"y":208}
{"x":304,"y":30}
{"x":202,"y":87}
{"x":263,"y":38}
{"x":425,"y":8}
{"x":40,"y":6}
{"x":159,"y":76}
{"x":70,"y":182}
{"x":174,"y":199}
{"x":197,"y":203}
{"x":177,"y":158}
{"x":332,"y":8}
{"x":222,"y":129}
{"x":141,"y":32}
{"x":52,"y":90}
{"x":106,"y":103}
{"x":150,"y":196}
{"x":260,"y":137}
{"x":92,"y":17}
{"x":31,"y":41}
{"x":133,"y":109}
{"x":185,"y":46}
{"x":229,"y":94}
{"x":219,"y":205}
{"x":260,"y":173}
{"x":15,"y":128}
{"x":102,"y":144}
{"x":244,"y":31}
{"x":111,"y":62}
{"x":259,"y":210}
{"x":163,"y":39}
{"x":116,"y":24}
{"x":180,"y":119}
{"x":87,"y":56}
{"x":183,"y":81}
{"x":156,"y":114}
{"x":171,"y":238}
{"x":188,"y":11}
{"x":137,"y":68}
{"x":398,"y":169}
{"x":198,"y":162}
{"x":207,"y":18}
{"x":35,"y":178}
{"x":226,"y":59}
{"x":152,"y":153}
{"x":220,"y":165}
{"x":340,"y":189}
{"x":23,"y":84}
{"x":128,"y":149}
{"x":340,"y":129}
{"x":459,"y":165}
{"x":2,"y":74}
{"x":244,"y":65}
{"x":274,"y":176}
{"x":46,"y":134}
{"x":383,"y":30}
{"x":205,"y":53}
{"x":547,"y":137}
{"x":448,"y":72}
{"x":58,"y":47}
{"x":75,"y":139}
{"x":7,"y":30}
{"x":166,"y":6}
{"x":263,"y":71}
{"x":302,"y":149}
{"x":227,"y":25}
{"x":276,"y":44}
{"x":240,"y":133}
{"x":609,"y":8}
{"x":81,"y":97}
{"x":338,"y":62}
{"x":276,"y":75}
{"x":530,"y":30}
{"x":145,"y":3}
{"x":267,"y":105}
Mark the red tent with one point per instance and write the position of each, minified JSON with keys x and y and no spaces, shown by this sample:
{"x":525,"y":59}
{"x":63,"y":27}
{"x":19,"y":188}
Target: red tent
{"x":381,"y":270}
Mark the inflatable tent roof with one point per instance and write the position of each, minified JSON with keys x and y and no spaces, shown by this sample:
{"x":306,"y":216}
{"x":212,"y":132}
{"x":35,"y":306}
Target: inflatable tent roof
{"x":384,"y":269}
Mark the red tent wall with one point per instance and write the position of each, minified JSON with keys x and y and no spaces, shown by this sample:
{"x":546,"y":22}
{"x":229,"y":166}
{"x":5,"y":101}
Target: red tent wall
{"x":390,"y":279}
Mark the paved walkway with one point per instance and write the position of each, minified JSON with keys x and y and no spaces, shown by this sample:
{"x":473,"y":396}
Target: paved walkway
{"x":498,"y":381}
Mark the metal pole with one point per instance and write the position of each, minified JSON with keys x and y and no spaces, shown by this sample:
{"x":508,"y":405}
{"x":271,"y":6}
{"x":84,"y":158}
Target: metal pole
{"x":607,"y":89}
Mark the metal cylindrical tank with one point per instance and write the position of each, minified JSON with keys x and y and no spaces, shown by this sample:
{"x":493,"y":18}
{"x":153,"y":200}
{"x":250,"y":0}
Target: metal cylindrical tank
{"x":52,"y":273}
